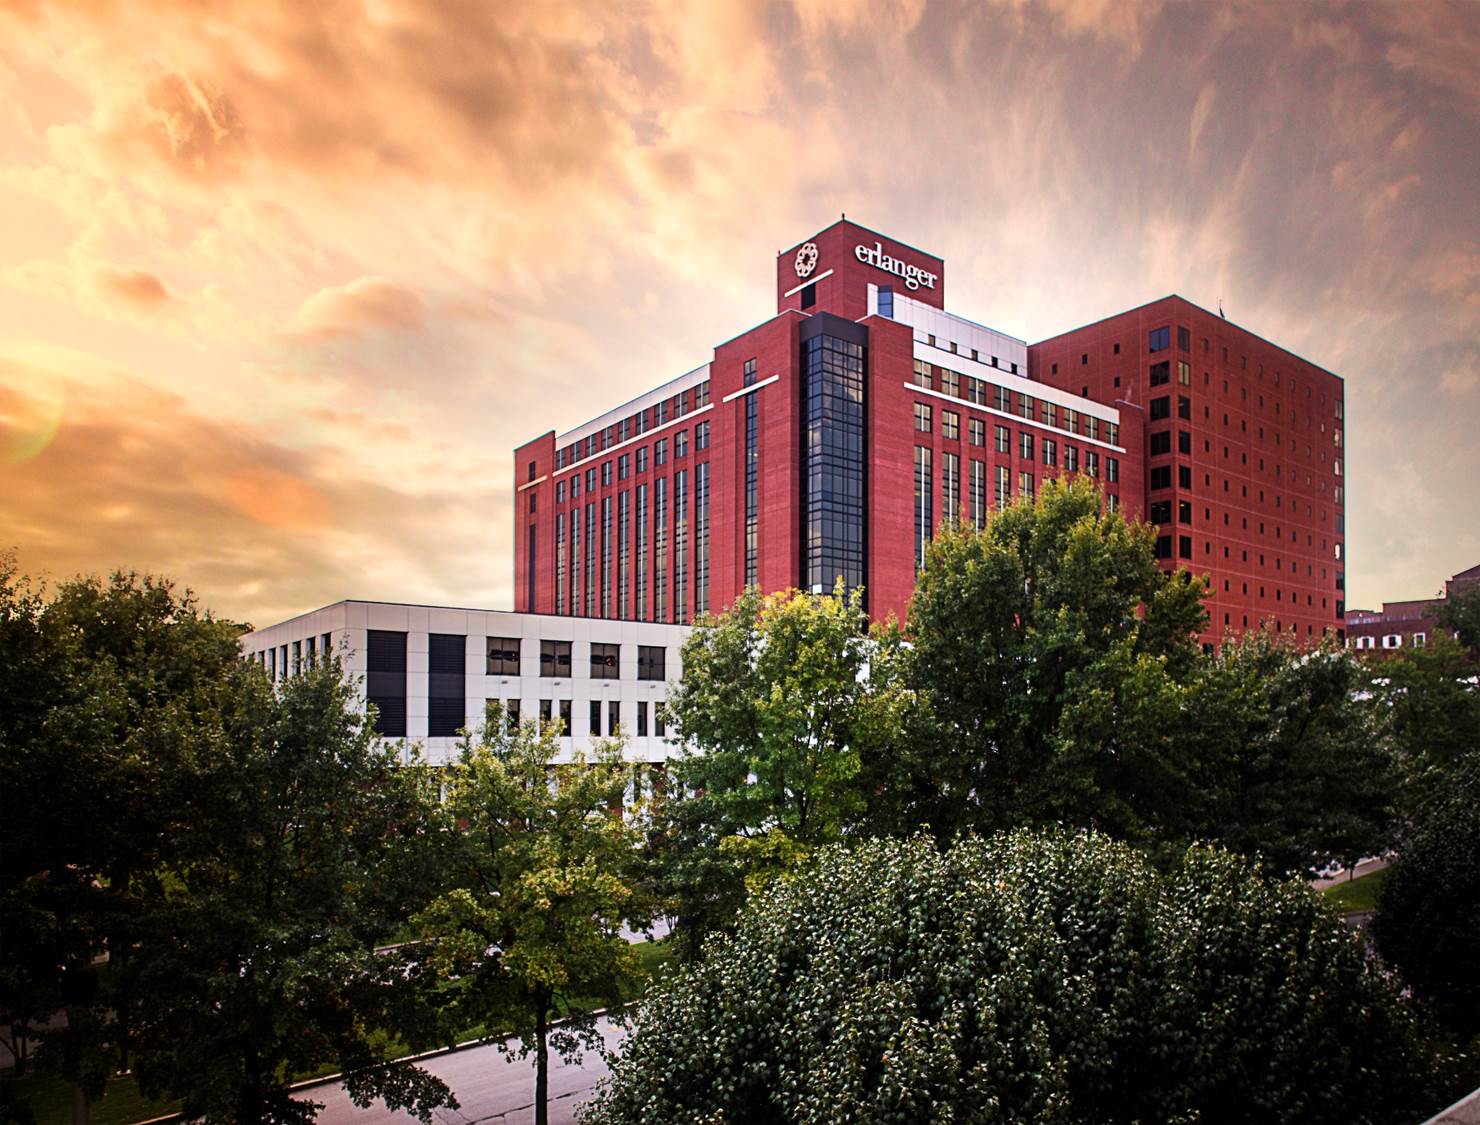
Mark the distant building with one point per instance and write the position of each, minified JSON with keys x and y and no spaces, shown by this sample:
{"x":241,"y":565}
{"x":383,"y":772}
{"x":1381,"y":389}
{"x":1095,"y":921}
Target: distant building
{"x":1407,"y":624}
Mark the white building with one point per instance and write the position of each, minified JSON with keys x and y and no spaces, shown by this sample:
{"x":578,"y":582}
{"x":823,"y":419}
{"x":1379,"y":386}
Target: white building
{"x":433,"y":670}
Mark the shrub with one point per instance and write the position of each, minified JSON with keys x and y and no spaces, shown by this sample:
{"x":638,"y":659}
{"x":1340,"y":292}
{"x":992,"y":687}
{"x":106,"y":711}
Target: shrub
{"x":1027,"y":977}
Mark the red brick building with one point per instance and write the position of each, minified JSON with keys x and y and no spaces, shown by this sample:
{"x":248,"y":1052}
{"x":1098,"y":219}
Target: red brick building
{"x":832,"y":439}
{"x":1244,"y":454}
{"x":1399,"y":625}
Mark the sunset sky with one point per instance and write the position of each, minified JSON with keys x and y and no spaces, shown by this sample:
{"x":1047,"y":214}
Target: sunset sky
{"x":281,"y":288}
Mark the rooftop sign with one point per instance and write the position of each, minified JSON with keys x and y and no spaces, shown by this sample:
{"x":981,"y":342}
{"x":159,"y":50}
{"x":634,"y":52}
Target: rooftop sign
{"x":913,"y":276}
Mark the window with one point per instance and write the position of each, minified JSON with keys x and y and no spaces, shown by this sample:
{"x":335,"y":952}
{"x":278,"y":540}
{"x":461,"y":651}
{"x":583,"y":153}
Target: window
{"x":1003,"y":487}
{"x":1184,"y":511}
{"x":660,"y":719}
{"x":1184,"y":339}
{"x":591,"y":480}
{"x":1159,"y":339}
{"x":555,"y":658}
{"x":605,"y":661}
{"x":950,"y":425}
{"x":1161,"y":477}
{"x":681,"y":444}
{"x":613,"y":717}
{"x":1161,"y":373}
{"x":503,"y":656}
{"x":924,"y":517}
{"x":565,"y":717}
{"x":660,"y":451}
{"x":1071,"y":459}
{"x":950,"y":487}
{"x":1161,"y":408}
{"x":650,"y":662}
{"x":606,"y":473}
{"x":624,"y":466}
{"x":1025,"y":486}
{"x":1050,"y":451}
{"x":1184,"y":373}
{"x":1025,"y":441}
{"x":560,"y":492}
{"x":922,"y":418}
{"x":1003,"y":438}
{"x":701,"y":436}
{"x":1184,"y":407}
{"x":950,"y":383}
{"x":1184,"y":442}
{"x":1161,"y":442}
{"x":922,"y":374}
{"x":1161,"y":511}
{"x":1091,"y":463}
{"x":1112,"y":470}
{"x":978,"y":430}
{"x":593,"y":718}
{"x":1163,"y":546}
{"x":978,"y":495}
{"x":1184,"y":546}
{"x":886,"y":301}
{"x":642,"y":718}
{"x":547,"y":712}
{"x":1026,"y":406}
{"x":575,"y":485}
{"x":1184,"y":476}
{"x":642,"y":459}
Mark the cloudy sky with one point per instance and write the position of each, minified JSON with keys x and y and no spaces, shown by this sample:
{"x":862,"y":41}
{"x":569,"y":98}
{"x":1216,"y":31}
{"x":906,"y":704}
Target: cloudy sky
{"x":281,"y":289}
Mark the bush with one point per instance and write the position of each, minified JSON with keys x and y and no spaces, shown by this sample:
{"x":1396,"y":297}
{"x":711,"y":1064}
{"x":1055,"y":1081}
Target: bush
{"x":1028,"y":977}
{"x":1428,"y":912}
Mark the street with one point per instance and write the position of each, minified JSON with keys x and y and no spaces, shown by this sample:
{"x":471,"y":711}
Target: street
{"x":490,"y":1086}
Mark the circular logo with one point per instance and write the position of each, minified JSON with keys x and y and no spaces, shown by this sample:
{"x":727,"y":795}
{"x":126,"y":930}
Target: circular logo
{"x":807,"y":259}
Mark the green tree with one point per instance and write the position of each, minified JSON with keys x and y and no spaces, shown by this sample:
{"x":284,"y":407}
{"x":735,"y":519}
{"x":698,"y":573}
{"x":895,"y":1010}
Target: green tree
{"x":1047,"y":653}
{"x":541,"y":874}
{"x":781,"y":697}
{"x":1051,"y":977}
{"x":254,"y":958}
{"x":1291,"y":757}
{"x":101,"y":683}
{"x":1428,"y":911}
{"x":1460,"y":613}
{"x":1435,"y":712}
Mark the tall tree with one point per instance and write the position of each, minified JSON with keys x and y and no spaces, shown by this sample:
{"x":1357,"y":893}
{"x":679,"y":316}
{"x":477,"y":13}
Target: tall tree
{"x":1291,"y":755}
{"x":1047,"y":653}
{"x":781,"y":698}
{"x":1460,"y":613}
{"x":541,"y":874}
{"x":101,"y":683}
{"x":254,"y":960}
{"x":1435,"y":712}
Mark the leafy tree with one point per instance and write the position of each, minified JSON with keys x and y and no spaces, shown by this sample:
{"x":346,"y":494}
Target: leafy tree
{"x":1047,"y":653}
{"x":781,"y":697}
{"x":1435,"y":711}
{"x":540,"y":873}
{"x":1291,"y":756}
{"x":1460,"y":613}
{"x":102,"y":683}
{"x":1029,"y":977}
{"x":1428,"y":911}
{"x":254,"y":960}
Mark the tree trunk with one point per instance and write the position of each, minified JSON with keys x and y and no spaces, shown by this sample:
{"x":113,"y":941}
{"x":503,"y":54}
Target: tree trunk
{"x":541,"y":1066}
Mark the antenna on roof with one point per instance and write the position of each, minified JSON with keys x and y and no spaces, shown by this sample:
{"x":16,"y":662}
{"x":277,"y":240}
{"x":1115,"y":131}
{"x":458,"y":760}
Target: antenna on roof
{"x":1220,"y":308}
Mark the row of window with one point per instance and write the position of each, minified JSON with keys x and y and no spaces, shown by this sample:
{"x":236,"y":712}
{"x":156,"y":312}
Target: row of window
{"x":955,"y":349}
{"x":1027,"y":443}
{"x":640,"y":423}
{"x":622,"y":465}
{"x":284,"y":660}
{"x":603,"y":716}
{"x":981,"y":393}
{"x":504,"y":658}
{"x":1389,"y":641}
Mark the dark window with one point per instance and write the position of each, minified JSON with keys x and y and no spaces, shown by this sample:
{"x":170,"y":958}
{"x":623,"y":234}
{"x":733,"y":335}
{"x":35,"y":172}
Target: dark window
{"x":547,"y":713}
{"x":1184,"y":511}
{"x":1161,"y":442}
{"x":1184,"y":442}
{"x":1159,"y":339}
{"x":503,"y":656}
{"x":1161,"y":373}
{"x":886,"y":301}
{"x":833,"y":477}
{"x":642,"y":718}
{"x":1163,"y":546}
{"x":1162,"y":477}
{"x":613,"y":717}
{"x":1184,"y":546}
{"x":1184,"y":476}
{"x":605,"y":661}
{"x":1161,"y":408}
{"x":1184,"y":339}
{"x":1117,"y":352}
{"x":565,"y":716}
{"x":1184,"y":407}
{"x":446,"y":684}
{"x":651,"y":662}
{"x":555,"y":658}
{"x":531,"y":475}
{"x":809,"y":295}
{"x":1161,"y":511}
{"x":593,"y":718}
{"x":385,"y":680}
{"x":660,"y":720}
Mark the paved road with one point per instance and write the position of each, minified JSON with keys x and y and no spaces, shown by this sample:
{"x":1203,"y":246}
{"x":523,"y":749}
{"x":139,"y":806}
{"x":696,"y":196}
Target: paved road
{"x":1366,"y":867}
{"x":491,"y":1087}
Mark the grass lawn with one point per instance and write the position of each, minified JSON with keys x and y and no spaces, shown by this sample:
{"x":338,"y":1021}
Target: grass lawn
{"x":122,"y":1104}
{"x":1358,"y":894}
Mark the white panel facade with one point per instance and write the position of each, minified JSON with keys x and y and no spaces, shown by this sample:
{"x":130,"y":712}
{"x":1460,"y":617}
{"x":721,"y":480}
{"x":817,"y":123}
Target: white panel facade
{"x":346,"y":624}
